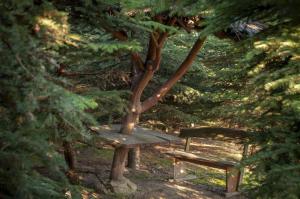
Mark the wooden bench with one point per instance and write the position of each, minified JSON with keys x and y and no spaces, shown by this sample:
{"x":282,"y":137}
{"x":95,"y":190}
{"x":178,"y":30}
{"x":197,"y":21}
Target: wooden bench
{"x":233,"y":174}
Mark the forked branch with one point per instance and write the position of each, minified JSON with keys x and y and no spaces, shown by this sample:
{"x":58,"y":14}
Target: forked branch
{"x":183,"y":68}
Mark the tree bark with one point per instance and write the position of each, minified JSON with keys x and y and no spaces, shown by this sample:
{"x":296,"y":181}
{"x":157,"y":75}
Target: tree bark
{"x":118,"y":164}
{"x":156,"y":42}
{"x":130,"y":120}
{"x":144,"y":73}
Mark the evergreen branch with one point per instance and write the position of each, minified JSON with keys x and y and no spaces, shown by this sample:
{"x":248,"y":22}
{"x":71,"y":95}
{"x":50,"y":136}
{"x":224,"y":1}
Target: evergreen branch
{"x":17,"y":57}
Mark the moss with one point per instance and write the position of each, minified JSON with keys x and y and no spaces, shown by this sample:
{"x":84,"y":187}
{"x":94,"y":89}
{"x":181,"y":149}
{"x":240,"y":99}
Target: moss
{"x":105,"y":153}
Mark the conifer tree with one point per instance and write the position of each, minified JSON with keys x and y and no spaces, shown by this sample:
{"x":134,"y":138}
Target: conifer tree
{"x":41,"y":113}
{"x":38,"y":112}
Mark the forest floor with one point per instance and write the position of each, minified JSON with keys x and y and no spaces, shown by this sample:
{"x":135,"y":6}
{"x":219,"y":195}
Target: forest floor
{"x":156,"y":170}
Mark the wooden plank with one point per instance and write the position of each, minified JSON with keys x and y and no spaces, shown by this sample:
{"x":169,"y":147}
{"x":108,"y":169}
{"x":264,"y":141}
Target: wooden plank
{"x":215,"y":133}
{"x":189,"y":157}
{"x":140,"y":136}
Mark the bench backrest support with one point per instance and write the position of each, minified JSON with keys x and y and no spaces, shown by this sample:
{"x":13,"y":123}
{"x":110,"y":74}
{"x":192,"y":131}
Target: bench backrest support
{"x":216,"y":133}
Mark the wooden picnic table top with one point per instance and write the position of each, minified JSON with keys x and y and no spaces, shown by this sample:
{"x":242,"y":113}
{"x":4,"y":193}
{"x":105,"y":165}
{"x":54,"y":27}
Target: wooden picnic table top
{"x":141,"y":136}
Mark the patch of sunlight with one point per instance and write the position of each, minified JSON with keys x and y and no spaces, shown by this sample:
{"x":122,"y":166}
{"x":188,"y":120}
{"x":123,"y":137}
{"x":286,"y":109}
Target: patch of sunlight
{"x":248,"y":181}
{"x":211,"y":123}
{"x":75,"y":37}
{"x":55,"y":31}
{"x":52,"y":24}
{"x":258,"y":110}
{"x":89,"y":194}
{"x":211,"y":74}
{"x":288,"y":81}
{"x":296,"y":58}
{"x":257,"y":69}
{"x":181,"y":188}
{"x":209,"y":176}
{"x":289,"y":43}
{"x":261,"y":45}
{"x":245,"y":99}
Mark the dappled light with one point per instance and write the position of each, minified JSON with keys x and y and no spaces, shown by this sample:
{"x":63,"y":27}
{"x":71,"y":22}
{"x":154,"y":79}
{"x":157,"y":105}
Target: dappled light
{"x":149,"y":99}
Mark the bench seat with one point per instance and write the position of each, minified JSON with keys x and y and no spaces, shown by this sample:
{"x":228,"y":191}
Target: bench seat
{"x":197,"y":159}
{"x":234,"y":174}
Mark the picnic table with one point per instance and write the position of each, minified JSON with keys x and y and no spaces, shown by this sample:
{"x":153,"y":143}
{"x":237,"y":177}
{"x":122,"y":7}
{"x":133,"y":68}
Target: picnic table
{"x":140,"y":137}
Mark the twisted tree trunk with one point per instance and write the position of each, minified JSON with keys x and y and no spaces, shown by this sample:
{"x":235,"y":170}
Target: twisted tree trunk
{"x":136,"y":107}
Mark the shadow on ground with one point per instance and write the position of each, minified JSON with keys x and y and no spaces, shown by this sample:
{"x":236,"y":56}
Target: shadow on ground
{"x":155,"y":171}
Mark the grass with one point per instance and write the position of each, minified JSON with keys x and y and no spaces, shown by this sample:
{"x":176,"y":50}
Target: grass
{"x":104,"y":153}
{"x":215,"y":177}
{"x":163,"y":162}
{"x":208,"y":176}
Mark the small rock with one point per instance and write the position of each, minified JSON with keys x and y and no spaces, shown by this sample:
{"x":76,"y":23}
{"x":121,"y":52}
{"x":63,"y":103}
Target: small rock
{"x":123,"y":186}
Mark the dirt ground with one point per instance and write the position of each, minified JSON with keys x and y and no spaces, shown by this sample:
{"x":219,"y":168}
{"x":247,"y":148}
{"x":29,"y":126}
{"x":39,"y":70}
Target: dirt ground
{"x":153,"y":178}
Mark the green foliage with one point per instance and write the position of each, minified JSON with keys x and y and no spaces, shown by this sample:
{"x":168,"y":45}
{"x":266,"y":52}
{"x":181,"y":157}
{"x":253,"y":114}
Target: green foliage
{"x":273,"y":13}
{"x":254,"y":85}
{"x":37,"y":110}
{"x":112,"y":104}
{"x":274,"y":108}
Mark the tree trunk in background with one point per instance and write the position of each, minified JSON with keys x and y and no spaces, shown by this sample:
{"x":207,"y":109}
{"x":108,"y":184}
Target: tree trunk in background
{"x":69,"y":155}
{"x":134,"y":158}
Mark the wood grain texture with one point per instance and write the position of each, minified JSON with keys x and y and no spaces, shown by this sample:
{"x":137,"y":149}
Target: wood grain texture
{"x":212,"y":162}
{"x":141,"y":136}
{"x":216,"y":133}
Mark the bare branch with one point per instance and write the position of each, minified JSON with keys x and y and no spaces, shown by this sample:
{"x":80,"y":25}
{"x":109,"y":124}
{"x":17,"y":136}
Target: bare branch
{"x":181,"y":24}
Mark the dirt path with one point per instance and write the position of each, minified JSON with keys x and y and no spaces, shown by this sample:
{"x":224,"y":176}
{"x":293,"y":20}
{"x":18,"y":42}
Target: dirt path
{"x":153,"y":176}
{"x":154,"y":189}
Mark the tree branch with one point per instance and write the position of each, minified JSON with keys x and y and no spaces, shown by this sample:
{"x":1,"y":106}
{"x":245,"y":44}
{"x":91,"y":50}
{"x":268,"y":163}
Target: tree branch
{"x":164,"y":35}
{"x":151,"y":55}
{"x":137,"y":69}
{"x":183,"y":68}
{"x":138,"y":90}
{"x":181,"y":24}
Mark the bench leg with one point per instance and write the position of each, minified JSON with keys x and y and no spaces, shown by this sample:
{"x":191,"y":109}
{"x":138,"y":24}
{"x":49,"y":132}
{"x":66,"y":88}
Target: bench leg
{"x":232,"y":180}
